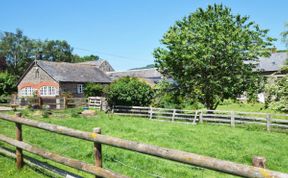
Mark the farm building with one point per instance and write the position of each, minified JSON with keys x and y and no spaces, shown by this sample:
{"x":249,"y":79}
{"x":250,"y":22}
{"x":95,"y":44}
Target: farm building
{"x":270,"y":66}
{"x":100,"y":64}
{"x":50,"y":79}
{"x":151,"y":76}
{"x":53,"y":78}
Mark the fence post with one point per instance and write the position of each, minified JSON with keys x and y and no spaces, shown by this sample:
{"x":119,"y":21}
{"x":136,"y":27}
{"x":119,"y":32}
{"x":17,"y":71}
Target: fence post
{"x":58,"y":106}
{"x":40,"y":102}
{"x":173,"y":116}
{"x":151,"y":113}
{"x":232,"y":119}
{"x":97,"y":151}
{"x":195,"y":117}
{"x":65,"y":102}
{"x":19,"y":152}
{"x":201,"y":117}
{"x":268,"y":123}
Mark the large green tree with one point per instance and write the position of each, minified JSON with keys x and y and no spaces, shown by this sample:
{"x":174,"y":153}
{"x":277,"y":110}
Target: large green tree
{"x":285,"y":35}
{"x":211,"y":54}
{"x":55,"y":50}
{"x":7,"y":85}
{"x":18,"y":51}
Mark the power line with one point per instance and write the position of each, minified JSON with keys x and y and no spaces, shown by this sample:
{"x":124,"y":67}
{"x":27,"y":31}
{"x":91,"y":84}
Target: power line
{"x":109,"y":54}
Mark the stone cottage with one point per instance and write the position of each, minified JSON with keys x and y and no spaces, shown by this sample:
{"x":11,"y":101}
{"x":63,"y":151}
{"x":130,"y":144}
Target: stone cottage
{"x":51,"y":79}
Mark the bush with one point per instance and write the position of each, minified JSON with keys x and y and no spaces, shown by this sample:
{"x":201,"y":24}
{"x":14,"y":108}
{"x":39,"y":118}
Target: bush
{"x":93,"y":89}
{"x":277,"y":95}
{"x":167,"y":95}
{"x":129,"y":91}
{"x":7,"y":86}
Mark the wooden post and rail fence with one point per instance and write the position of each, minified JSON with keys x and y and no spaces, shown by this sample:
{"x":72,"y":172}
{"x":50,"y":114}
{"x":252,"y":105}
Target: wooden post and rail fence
{"x":209,"y":116}
{"x":98,"y":139}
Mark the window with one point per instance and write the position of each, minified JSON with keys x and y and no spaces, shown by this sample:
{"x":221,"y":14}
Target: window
{"x":80,"y":88}
{"x":27,"y":91}
{"x":48,"y":91}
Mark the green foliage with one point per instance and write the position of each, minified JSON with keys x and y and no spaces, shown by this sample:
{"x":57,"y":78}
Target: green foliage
{"x":285,"y":35}
{"x":129,"y":91}
{"x":209,"y":52}
{"x":7,"y":86}
{"x":93,"y":89}
{"x":85,"y":58}
{"x":45,"y":114}
{"x":54,"y":50}
{"x":277,"y":95}
{"x":17,"y":51}
{"x":167,"y":96}
{"x":254,"y":88}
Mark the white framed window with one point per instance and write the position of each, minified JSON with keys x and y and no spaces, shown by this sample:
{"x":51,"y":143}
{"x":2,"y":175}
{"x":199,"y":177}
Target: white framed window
{"x":48,"y":91}
{"x":27,"y":91}
{"x":80,"y":88}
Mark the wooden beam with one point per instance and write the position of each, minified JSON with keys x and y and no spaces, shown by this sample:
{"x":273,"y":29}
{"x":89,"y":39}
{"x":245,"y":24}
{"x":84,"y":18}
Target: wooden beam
{"x":170,"y":154}
{"x":61,"y":159}
{"x":19,"y":152}
{"x":97,"y":151}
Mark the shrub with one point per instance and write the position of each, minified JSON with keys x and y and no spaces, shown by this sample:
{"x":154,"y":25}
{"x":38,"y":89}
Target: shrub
{"x":167,"y":95}
{"x":93,"y":89}
{"x":129,"y":91}
{"x":7,"y":86}
{"x":277,"y":95}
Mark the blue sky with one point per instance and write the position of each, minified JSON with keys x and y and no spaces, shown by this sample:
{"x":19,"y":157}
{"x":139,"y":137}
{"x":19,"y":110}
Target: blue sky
{"x":123,"y":32}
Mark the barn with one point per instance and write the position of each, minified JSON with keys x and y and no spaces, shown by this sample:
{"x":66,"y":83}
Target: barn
{"x":51,"y":79}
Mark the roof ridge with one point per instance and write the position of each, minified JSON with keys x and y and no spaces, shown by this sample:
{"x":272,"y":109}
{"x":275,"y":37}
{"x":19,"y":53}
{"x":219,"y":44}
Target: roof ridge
{"x":133,"y":70}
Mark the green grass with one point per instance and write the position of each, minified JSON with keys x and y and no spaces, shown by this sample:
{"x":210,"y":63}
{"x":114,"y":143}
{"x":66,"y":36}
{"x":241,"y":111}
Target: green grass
{"x":234,"y":144}
{"x":245,"y":107}
{"x":8,"y":169}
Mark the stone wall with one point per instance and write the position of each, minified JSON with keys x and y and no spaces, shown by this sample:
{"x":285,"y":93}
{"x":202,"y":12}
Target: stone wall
{"x":70,"y":88}
{"x":36,"y":78}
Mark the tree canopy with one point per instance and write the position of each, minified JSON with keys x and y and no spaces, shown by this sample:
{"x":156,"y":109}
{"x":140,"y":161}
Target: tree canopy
{"x":17,"y":51}
{"x":285,"y":35}
{"x":211,"y":54}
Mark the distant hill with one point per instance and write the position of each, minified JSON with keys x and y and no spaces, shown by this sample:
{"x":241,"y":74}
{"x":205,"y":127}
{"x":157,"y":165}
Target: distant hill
{"x":146,"y":67}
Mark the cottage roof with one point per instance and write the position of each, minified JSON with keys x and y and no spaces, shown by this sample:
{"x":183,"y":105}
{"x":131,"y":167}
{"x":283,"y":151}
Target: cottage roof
{"x":100,"y":63}
{"x":73,"y":72}
{"x":151,"y":75}
{"x":272,"y":63}
{"x":96,"y":63}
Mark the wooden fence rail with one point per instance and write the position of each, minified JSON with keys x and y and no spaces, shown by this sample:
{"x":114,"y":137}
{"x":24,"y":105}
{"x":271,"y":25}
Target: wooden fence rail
{"x":169,"y":154}
{"x":211,"y":116}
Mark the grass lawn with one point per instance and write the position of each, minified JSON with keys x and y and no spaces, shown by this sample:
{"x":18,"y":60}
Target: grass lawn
{"x":245,"y":107}
{"x":234,"y":144}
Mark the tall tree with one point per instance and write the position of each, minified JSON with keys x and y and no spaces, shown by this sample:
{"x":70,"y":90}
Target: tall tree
{"x":55,"y":50}
{"x":211,"y":54}
{"x":285,"y":35}
{"x":3,"y":65}
{"x":18,"y":51}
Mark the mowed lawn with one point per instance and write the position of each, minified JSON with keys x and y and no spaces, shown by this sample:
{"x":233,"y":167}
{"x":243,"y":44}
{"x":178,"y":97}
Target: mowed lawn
{"x":238,"y":144}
